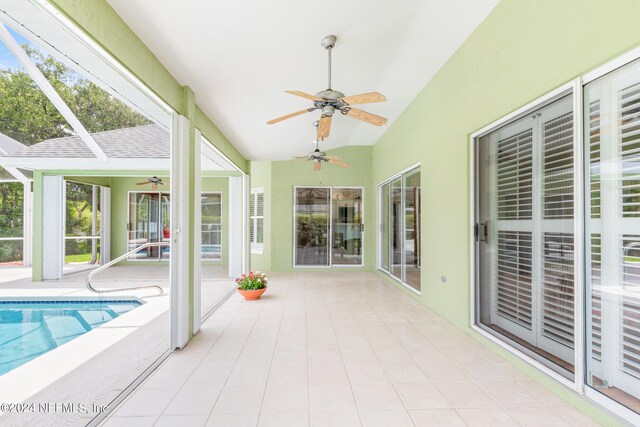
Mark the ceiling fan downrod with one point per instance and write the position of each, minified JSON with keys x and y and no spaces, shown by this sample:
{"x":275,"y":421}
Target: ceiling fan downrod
{"x":329,"y":43}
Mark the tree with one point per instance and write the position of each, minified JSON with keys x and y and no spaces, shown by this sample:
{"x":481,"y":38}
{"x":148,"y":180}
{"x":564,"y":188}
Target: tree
{"x":27,"y":115}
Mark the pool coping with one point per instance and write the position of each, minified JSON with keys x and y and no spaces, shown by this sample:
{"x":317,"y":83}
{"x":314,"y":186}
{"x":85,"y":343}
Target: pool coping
{"x":27,"y":380}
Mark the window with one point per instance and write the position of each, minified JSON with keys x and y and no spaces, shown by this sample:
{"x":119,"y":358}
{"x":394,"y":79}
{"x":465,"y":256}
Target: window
{"x":211,"y":226}
{"x":526,"y":241}
{"x":12,"y":194}
{"x":257,"y":220}
{"x":82,"y":223}
{"x":400,"y":208}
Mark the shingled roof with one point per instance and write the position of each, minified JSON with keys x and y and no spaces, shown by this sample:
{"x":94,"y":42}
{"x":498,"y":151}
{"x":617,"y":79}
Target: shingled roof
{"x":148,"y":141}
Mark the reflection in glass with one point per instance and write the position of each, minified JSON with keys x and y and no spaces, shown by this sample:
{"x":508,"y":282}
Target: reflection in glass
{"x":395,"y":227}
{"x":412,"y":229}
{"x":347,"y":226}
{"x":312,"y":226}
{"x":612,"y":126}
{"x":384,"y":252}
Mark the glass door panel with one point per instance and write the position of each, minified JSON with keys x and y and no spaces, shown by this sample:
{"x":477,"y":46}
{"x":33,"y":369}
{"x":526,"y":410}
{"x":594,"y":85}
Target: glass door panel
{"x":312,"y":226}
{"x":525,"y":233}
{"x":412,"y":229}
{"x":347,"y":225}
{"x":149,"y":223}
{"x":384,"y":241}
{"x":612,"y":227}
{"x":211,"y":226}
{"x":395,"y":227}
{"x":164,"y":231}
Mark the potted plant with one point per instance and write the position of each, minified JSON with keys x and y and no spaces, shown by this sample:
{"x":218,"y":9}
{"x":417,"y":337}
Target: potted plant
{"x":251,"y":286}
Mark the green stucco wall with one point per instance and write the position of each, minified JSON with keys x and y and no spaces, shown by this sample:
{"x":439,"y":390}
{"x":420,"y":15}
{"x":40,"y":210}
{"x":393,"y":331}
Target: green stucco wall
{"x":521,"y":51}
{"x":287,"y":174}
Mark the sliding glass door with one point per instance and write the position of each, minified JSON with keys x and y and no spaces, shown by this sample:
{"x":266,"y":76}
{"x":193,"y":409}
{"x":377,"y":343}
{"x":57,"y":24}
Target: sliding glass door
{"x":525,"y":233}
{"x":328,"y":226}
{"x":612,"y":149}
{"x":400,"y":227}
{"x":149,"y":223}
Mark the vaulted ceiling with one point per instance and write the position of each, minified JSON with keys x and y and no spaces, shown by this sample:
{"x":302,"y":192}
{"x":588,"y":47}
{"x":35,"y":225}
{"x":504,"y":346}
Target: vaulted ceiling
{"x":240,"y":56}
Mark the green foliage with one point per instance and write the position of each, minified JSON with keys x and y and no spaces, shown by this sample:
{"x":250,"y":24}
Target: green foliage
{"x":310,"y":229}
{"x":84,"y":258}
{"x":11,"y":204}
{"x":27,"y":115}
{"x":252,"y":281}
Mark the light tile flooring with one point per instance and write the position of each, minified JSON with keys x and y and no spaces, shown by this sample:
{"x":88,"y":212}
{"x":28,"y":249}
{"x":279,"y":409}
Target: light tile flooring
{"x":337,"y":349}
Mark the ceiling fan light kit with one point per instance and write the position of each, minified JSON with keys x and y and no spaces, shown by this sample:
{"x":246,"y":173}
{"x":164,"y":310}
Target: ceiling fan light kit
{"x":317,"y":156}
{"x":329,"y":100}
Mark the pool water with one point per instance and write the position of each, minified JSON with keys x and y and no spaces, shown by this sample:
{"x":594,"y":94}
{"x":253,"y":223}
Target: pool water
{"x":29,"y":329}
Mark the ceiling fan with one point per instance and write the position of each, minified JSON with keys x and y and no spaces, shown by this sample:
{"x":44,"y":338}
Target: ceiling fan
{"x":330,"y":101}
{"x":318,"y":156}
{"x":154,"y":181}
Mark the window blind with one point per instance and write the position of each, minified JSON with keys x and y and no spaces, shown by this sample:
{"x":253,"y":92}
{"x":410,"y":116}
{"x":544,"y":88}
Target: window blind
{"x":514,"y":299}
{"x":558,"y":288}
{"x":557,"y":164}
{"x":515,"y":176}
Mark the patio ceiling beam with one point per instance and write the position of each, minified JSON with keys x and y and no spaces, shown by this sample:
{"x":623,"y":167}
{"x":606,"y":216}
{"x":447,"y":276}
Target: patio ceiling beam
{"x":50,"y":92}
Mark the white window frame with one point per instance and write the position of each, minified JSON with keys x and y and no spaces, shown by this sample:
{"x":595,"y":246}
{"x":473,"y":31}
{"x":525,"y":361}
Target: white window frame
{"x":380,"y":227}
{"x":256,"y":247}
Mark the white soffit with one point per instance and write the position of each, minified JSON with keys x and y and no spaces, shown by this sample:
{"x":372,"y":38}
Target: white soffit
{"x":239,"y":58}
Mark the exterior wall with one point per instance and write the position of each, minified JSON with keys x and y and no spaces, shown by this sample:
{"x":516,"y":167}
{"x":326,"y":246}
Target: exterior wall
{"x":261,"y":177}
{"x":287,"y":174}
{"x":521,"y":51}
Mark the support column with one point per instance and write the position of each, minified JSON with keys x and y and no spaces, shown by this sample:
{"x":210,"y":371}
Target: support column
{"x":53,"y":224}
{"x":183,"y":202}
{"x":36,"y":230}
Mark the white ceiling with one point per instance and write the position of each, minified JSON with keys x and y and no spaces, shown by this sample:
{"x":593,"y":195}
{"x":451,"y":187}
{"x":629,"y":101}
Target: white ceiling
{"x":240,"y":56}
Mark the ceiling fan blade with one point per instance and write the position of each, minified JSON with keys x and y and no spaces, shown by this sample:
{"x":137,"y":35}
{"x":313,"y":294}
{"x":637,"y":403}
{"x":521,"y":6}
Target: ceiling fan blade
{"x":143,"y":183}
{"x":304,"y":95}
{"x":323,"y":128}
{"x":288,"y":116}
{"x":364,"y":98}
{"x":316,"y":166}
{"x":339,"y":163}
{"x":366,"y":117}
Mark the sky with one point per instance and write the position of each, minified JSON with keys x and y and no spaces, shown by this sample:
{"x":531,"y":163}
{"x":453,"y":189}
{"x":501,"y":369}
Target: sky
{"x":7,"y":60}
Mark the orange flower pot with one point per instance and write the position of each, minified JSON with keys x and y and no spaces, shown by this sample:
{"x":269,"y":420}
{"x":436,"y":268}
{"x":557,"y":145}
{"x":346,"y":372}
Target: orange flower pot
{"x":252,"y":294}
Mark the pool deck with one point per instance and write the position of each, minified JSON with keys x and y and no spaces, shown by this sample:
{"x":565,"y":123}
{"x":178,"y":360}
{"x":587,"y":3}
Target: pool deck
{"x":106,"y":354}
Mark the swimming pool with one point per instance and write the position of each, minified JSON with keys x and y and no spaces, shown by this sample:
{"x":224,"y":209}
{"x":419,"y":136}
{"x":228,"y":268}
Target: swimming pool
{"x":29,"y":329}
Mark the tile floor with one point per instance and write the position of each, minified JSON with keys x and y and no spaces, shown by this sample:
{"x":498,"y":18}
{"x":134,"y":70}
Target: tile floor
{"x":337,"y":349}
